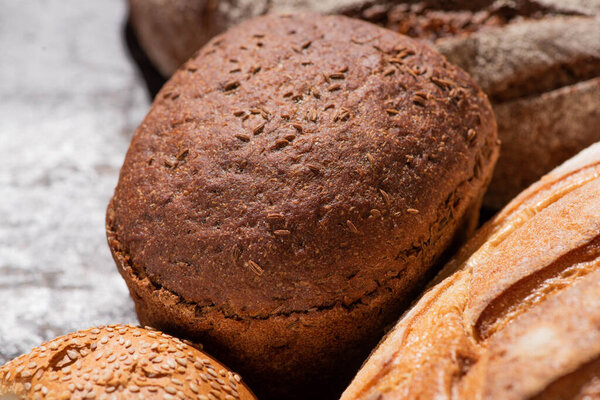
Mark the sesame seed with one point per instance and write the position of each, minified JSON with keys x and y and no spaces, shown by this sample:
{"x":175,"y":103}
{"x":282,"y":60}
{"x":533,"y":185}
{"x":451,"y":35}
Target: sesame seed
{"x":297,"y":126}
{"x":281,"y":232}
{"x":170,"y":390}
{"x":181,"y":361}
{"x":177,"y":381}
{"x":337,"y":75}
{"x":412,"y":211}
{"x":72,"y":354}
{"x":391,"y":111}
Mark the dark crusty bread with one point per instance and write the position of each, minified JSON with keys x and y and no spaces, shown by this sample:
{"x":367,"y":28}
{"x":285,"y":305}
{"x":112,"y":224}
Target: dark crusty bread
{"x":119,"y":362}
{"x":516,"y":314}
{"x":543,"y":78}
{"x":171,"y":30}
{"x":527,"y":55}
{"x":290,"y":189}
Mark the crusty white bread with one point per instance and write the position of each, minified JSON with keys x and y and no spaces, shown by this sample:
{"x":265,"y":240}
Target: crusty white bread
{"x":516,"y":314}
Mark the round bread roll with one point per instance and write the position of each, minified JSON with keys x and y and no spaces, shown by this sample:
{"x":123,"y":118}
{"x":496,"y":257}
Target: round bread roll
{"x":290,"y":190}
{"x":516,"y":314}
{"x":119,"y":362}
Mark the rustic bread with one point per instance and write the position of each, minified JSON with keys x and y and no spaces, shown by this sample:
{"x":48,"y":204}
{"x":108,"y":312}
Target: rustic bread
{"x":291,"y":189}
{"x":119,"y":362}
{"x":543,"y":78}
{"x":538,"y":60}
{"x":516,"y":314}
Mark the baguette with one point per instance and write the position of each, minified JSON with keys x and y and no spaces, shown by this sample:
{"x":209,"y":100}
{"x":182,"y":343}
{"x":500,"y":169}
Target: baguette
{"x":516,"y":314}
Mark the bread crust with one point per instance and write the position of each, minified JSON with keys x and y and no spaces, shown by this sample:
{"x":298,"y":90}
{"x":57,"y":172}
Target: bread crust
{"x":514,"y":315}
{"x":543,"y":79}
{"x":119,"y":360}
{"x":291,"y":189}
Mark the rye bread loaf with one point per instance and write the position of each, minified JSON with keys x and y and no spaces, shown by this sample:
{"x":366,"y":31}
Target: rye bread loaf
{"x":291,"y":189}
{"x":543,"y":78}
{"x":516,"y":314}
{"x":537,"y":60}
{"x":119,"y":362}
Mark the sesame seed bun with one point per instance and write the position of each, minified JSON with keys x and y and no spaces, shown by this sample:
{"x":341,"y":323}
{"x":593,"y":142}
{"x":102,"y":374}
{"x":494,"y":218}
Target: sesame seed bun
{"x":120,"y":362}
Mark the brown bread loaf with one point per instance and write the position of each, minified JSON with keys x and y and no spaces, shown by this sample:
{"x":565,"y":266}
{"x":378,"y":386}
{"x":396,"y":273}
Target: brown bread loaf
{"x":119,"y":362}
{"x":516,"y":314}
{"x":537,"y":60}
{"x":291,"y":189}
{"x":543,"y":78}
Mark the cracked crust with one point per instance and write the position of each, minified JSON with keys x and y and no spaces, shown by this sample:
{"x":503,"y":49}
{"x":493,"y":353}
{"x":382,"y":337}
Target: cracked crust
{"x":515,"y":315}
{"x":119,"y":361}
{"x":289,"y":200}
